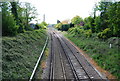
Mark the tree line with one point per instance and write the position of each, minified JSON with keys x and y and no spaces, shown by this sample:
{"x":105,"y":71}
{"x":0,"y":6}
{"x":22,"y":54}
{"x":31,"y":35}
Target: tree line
{"x":106,"y":25}
{"x":16,"y":17}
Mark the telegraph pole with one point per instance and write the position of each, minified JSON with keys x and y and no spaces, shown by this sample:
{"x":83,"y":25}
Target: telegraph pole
{"x":44,"y":17}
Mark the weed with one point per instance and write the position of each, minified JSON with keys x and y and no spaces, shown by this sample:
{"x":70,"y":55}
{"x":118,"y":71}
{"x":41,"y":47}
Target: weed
{"x":20,"y":54}
{"x":107,"y":58}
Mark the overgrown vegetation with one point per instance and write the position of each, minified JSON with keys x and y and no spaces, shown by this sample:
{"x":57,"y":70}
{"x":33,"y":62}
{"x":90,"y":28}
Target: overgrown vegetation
{"x":63,"y":27}
{"x":20,"y":53}
{"x":106,"y":24}
{"x":42,"y":65}
{"x":42,"y":25}
{"x":106,"y":57}
{"x":17,"y":17}
{"x":96,"y":34}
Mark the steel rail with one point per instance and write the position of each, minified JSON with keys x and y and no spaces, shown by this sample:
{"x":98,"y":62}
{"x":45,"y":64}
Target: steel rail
{"x":72,"y":67}
{"x":51,"y":75}
{"x":38,"y":61}
{"x":93,"y":66}
{"x":62,"y":64}
{"x":52,"y":62}
{"x":99,"y":74}
{"x":78,"y":60}
{"x":87,"y":61}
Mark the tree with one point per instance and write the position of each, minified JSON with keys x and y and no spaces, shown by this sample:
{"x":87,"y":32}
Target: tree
{"x":109,"y":17}
{"x":98,"y":24}
{"x":58,"y":26}
{"x":114,"y":18}
{"x":17,"y":13}
{"x":16,"y":17}
{"x":29,"y":13}
{"x":14,"y":10}
{"x":43,"y":25}
{"x":76,"y":20}
{"x":9,"y":26}
{"x":103,"y":8}
{"x":89,"y":23}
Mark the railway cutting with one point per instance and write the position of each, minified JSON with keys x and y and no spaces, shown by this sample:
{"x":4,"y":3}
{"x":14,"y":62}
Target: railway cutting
{"x":67,"y":63}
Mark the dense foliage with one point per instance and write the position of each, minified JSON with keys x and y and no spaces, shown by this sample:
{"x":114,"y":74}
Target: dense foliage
{"x":106,"y":57}
{"x":16,"y":17}
{"x":76,"y":20}
{"x":8,"y":22}
{"x":63,"y":27}
{"x":43,"y":25}
{"x":20,"y":54}
{"x":106,"y":25}
{"x":98,"y":33}
{"x":58,"y":26}
{"x":109,"y":18}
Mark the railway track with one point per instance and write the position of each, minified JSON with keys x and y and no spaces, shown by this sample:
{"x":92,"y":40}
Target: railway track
{"x":67,"y":63}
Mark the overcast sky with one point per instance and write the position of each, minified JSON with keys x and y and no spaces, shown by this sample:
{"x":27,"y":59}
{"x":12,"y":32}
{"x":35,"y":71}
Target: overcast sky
{"x":62,"y":9}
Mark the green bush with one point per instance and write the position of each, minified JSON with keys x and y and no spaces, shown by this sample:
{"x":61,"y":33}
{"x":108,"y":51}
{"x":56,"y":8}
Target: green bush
{"x":104,"y":34}
{"x":89,"y":23}
{"x":42,"y":25}
{"x":58,"y":26}
{"x":65,"y":27}
{"x":21,"y":29}
{"x":88,"y":33}
{"x":79,"y":31}
{"x":76,"y":20}
{"x":97,"y":24}
{"x":9,"y":27}
{"x":28,"y":28}
{"x":76,"y":31}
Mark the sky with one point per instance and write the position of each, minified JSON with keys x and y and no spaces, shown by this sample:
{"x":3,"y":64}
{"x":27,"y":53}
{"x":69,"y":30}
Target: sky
{"x":62,"y":9}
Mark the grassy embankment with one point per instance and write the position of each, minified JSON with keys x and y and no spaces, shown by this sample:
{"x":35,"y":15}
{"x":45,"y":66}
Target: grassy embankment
{"x":106,"y":57}
{"x":20,"y":53}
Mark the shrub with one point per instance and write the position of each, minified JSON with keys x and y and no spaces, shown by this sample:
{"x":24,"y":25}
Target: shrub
{"x":88,"y":33}
{"x":21,"y":29}
{"x":79,"y":31}
{"x":65,"y":27}
{"x":106,"y":33}
{"x":43,"y":25}
{"x":76,"y":30}
{"x":76,"y":20}
{"x":89,"y":23}
{"x":20,"y":53}
{"x":9,"y":27}
{"x":58,"y":26}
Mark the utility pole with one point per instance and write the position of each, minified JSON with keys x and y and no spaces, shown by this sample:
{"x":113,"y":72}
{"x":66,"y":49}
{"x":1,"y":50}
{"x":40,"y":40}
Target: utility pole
{"x":44,"y":17}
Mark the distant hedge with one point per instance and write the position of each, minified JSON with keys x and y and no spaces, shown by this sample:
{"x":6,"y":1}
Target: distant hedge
{"x":65,"y":27}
